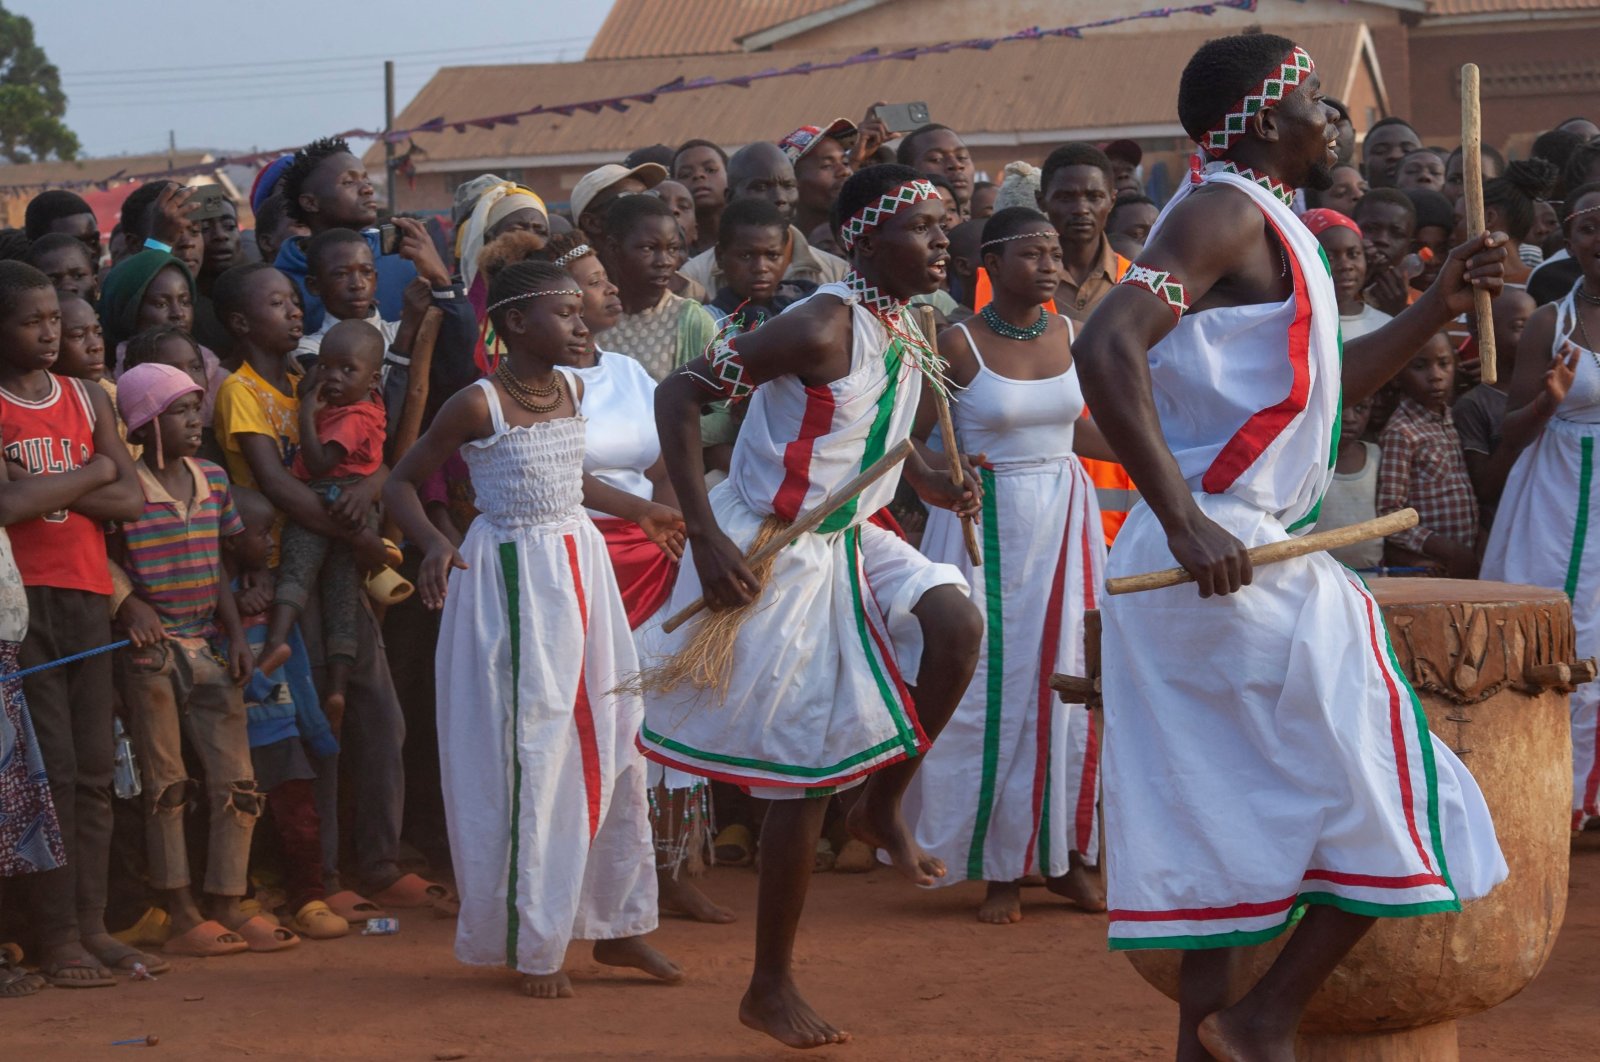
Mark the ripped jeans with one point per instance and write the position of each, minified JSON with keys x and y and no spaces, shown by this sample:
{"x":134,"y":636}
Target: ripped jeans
{"x":182,"y":687}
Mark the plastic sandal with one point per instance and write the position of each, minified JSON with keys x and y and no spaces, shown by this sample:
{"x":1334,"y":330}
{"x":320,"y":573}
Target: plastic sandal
{"x":354,"y":908}
{"x":208,"y":940}
{"x":263,"y":936}
{"x":415,"y":891}
{"x":317,"y":921}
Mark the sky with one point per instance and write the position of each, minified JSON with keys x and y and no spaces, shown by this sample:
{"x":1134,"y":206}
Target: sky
{"x":225,"y":75}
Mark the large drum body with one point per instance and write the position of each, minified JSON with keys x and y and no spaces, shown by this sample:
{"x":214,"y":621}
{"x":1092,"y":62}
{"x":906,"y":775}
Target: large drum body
{"x":1492,"y":663}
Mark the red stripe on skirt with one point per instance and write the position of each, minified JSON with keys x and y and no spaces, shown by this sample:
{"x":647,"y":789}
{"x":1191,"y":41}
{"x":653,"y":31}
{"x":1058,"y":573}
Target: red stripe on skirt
{"x":815,"y":423}
{"x":1374,"y":881}
{"x":1204,"y":914}
{"x":1257,"y":433}
{"x":582,"y":712}
{"x":645,"y":572}
{"x":1049,"y":651}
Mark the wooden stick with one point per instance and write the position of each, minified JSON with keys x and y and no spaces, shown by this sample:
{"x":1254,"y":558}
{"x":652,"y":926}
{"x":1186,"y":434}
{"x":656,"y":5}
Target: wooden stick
{"x":1382,"y":527}
{"x":1472,"y":182}
{"x":824,"y":509}
{"x":947,"y":435}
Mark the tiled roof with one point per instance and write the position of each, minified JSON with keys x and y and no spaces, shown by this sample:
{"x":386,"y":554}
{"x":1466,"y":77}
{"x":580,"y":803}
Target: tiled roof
{"x":1456,"y":8}
{"x":1018,"y":88}
{"x":638,"y":28}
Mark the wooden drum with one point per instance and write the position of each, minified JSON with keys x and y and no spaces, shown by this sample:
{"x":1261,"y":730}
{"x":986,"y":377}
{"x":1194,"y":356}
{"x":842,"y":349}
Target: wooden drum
{"x":1493,"y":664}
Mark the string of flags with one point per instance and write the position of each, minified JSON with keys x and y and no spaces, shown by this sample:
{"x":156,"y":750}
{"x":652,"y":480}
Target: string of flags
{"x":621,"y":103}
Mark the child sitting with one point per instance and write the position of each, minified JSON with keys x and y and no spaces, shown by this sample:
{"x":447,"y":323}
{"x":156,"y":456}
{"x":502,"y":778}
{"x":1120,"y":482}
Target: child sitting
{"x":175,"y":680}
{"x":752,"y":254}
{"x":285,"y":723}
{"x":341,"y":444}
{"x":1422,"y":467}
{"x":1353,"y":495}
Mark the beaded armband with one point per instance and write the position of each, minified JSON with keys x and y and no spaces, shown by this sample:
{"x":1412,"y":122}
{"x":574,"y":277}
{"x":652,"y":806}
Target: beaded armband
{"x":727,"y":379}
{"x":1162,"y":285}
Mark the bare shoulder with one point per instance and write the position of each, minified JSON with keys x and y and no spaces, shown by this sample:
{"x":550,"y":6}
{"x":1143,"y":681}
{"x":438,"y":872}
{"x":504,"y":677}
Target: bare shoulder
{"x":819,"y":322}
{"x":465,"y":414}
{"x":955,"y":349}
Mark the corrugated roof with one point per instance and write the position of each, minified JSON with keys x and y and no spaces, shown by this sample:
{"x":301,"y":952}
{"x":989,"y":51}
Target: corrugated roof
{"x":639,"y":28}
{"x":30,"y":173}
{"x":1457,"y":8}
{"x":1013,"y":88}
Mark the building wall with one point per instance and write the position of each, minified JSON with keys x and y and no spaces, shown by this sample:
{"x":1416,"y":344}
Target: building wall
{"x":918,"y":21}
{"x":1534,"y":74}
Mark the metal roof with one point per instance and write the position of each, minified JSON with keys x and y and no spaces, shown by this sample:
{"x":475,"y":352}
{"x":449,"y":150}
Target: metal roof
{"x":640,"y":28}
{"x":1459,"y":8}
{"x":1012,"y":93}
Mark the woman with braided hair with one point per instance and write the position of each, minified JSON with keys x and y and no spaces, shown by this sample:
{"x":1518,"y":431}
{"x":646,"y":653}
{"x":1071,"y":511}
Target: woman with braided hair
{"x":1508,"y":206}
{"x":544,"y":787}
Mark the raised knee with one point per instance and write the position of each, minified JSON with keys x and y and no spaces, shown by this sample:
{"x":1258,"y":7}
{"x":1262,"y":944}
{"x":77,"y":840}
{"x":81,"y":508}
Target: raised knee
{"x":952,"y":626}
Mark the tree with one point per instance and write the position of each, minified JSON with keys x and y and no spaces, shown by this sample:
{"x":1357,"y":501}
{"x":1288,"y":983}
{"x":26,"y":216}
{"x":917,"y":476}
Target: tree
{"x":31,"y":101}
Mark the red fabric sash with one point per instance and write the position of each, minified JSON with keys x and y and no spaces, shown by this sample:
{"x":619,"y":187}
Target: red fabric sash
{"x":645,"y":572}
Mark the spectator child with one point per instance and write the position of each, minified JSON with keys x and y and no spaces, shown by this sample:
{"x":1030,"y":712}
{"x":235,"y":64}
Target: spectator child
{"x":658,"y":329}
{"x":153,"y":288}
{"x":83,"y":354}
{"x":1388,"y":223}
{"x":65,"y":260}
{"x":1341,"y":241}
{"x":1479,"y":413}
{"x":341,"y":445}
{"x":175,"y":681}
{"x":171,"y":345}
{"x":752,"y":255}
{"x":56,"y":426}
{"x":1422,"y":468}
{"x":1353,"y":495}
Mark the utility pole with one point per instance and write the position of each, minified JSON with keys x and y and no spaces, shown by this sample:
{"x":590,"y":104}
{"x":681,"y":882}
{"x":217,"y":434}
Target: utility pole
{"x":388,"y":124}
{"x":172,"y":150}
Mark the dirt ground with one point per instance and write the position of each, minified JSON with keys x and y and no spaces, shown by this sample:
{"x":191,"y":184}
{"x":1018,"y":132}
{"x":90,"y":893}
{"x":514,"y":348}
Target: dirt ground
{"x":912,"y":975}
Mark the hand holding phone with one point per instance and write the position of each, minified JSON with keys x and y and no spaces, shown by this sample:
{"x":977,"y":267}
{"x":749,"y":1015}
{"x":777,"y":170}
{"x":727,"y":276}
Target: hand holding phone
{"x":902,"y":117}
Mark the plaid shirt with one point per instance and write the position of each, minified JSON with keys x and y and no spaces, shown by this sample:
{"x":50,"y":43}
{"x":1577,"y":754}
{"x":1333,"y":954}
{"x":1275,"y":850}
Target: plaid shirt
{"x":1422,"y":467}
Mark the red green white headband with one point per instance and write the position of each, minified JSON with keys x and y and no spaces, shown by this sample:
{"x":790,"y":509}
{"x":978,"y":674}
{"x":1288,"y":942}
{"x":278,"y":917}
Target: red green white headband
{"x":888,"y":205}
{"x":1295,"y":68}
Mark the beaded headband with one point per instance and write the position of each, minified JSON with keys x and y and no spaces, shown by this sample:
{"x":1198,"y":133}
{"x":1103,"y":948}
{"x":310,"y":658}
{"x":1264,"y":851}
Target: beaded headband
{"x":532,"y":295}
{"x":1580,"y":213}
{"x":573,"y":255}
{"x":1017,"y":236}
{"x":888,"y":205}
{"x":1295,"y":68}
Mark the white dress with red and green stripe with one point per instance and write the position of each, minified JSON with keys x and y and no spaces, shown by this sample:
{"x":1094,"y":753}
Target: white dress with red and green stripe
{"x":1545,"y":533}
{"x":818,"y":695}
{"x":1010,"y":789}
{"x":1263,"y":750}
{"x":544,"y":789}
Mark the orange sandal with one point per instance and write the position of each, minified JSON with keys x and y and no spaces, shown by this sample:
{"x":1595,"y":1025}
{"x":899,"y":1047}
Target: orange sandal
{"x":414,"y":891}
{"x":354,"y":908}
{"x":263,"y":936}
{"x":208,"y":940}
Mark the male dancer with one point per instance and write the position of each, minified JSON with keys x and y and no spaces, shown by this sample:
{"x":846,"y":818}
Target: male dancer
{"x":1264,"y":755}
{"x":817,"y":698}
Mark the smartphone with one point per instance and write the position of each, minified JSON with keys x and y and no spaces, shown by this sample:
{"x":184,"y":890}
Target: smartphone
{"x":388,"y":238}
{"x":208,"y":201}
{"x":903,"y":117}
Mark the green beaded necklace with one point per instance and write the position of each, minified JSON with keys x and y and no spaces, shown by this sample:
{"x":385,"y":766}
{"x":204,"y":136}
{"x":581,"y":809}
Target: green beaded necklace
{"x":1006,"y":330}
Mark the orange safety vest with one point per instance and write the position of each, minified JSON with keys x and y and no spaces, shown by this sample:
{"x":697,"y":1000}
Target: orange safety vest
{"x":1113,"y":487}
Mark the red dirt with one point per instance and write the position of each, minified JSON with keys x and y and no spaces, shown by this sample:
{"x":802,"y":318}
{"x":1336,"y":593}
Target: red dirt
{"x":913,"y":976}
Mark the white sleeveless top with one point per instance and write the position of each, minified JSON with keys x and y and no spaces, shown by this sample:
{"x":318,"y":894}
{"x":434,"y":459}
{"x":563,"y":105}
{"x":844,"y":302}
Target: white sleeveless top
{"x":1582,"y":404}
{"x":798,"y":443}
{"x":527,"y":475}
{"x":1017,"y":422}
{"x":619,"y":401}
{"x":1248,"y":396}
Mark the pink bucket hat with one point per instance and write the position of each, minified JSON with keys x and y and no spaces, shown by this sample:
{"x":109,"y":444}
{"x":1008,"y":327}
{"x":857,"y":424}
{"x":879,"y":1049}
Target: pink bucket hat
{"x":146,"y":391}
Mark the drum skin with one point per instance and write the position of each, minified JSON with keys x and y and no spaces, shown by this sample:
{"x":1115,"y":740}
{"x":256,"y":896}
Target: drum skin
{"x":1470,"y":649}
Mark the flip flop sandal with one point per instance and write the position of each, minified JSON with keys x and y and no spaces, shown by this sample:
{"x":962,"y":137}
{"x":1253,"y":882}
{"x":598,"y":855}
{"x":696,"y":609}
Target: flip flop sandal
{"x":52,"y":975}
{"x":16,"y":982}
{"x":208,"y":940}
{"x":354,"y":908}
{"x":150,"y":931}
{"x":414,"y":891}
{"x":734,"y":846}
{"x":263,"y":936}
{"x":317,"y":921}
{"x":124,"y":961}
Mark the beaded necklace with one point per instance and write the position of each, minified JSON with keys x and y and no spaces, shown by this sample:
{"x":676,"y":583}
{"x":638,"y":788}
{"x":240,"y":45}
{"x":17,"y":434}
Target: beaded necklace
{"x":526,"y":396}
{"x":891,"y":313}
{"x":1006,"y":330}
{"x":1281,"y":191}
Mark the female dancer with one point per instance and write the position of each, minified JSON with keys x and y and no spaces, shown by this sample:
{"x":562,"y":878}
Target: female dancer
{"x":1010,"y":788}
{"x":1542,"y":530}
{"x":541,"y":774}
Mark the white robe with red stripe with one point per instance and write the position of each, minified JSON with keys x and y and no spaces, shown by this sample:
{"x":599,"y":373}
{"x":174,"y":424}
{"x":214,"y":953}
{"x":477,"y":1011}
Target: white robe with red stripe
{"x":1263,"y":750}
{"x":544,"y":789}
{"x":818,"y":693}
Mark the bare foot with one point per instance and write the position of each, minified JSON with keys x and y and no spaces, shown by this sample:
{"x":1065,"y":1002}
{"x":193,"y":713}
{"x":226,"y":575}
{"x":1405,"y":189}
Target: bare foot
{"x":547,"y":986}
{"x":886,"y":829}
{"x":272,"y":658}
{"x":788,"y":1019}
{"x":1233,"y":1038}
{"x":679,"y":896}
{"x":1002,"y":904}
{"x":635,"y":953}
{"x":1081,"y":885}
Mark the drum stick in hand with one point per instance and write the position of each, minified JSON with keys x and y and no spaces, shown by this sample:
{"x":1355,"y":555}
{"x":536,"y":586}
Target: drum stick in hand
{"x":947,"y":435}
{"x":1384,"y":526}
{"x":1472,"y":184}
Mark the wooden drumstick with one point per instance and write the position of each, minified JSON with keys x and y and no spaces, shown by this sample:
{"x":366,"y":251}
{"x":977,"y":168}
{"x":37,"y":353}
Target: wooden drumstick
{"x":824,"y":509}
{"x":1382,"y":527}
{"x":947,"y":435}
{"x":1472,"y":182}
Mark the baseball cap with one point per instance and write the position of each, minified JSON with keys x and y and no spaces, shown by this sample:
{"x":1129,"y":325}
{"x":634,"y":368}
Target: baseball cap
{"x":1127,"y":151}
{"x":596,"y":181}
{"x":798,"y":144}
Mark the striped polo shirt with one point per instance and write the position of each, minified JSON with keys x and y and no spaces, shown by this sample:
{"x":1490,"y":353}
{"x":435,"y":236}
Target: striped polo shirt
{"x":174,"y":549}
